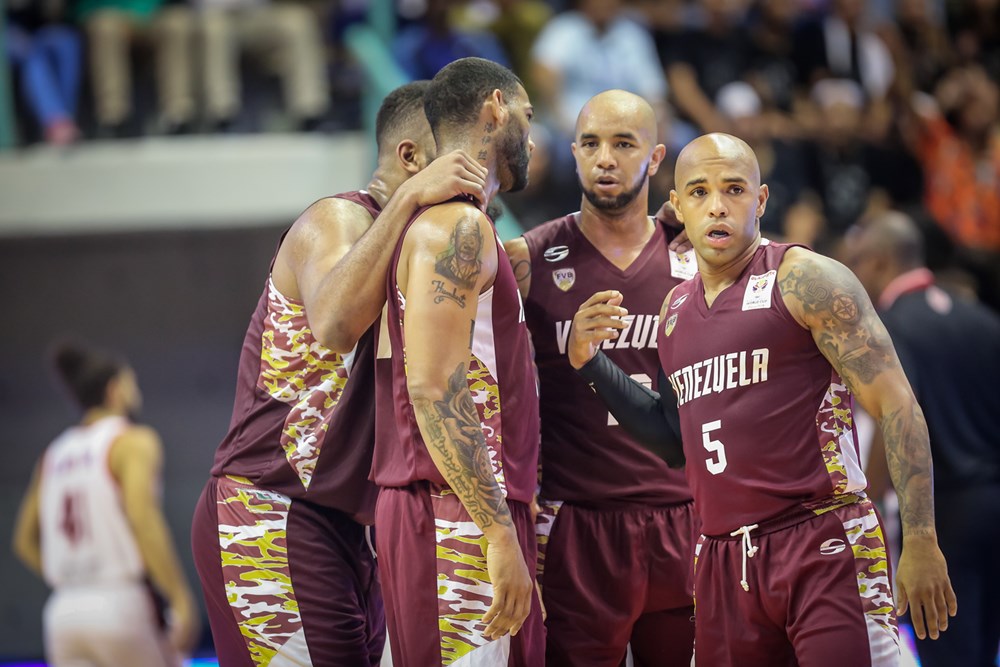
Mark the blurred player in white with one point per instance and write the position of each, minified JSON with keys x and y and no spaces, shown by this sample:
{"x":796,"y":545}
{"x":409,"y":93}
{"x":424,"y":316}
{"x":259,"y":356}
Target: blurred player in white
{"x":91,"y":525}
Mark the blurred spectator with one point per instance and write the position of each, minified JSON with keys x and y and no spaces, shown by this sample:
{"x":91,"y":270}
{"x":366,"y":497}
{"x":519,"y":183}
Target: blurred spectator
{"x":950,"y":350}
{"x":283,"y":38}
{"x":975,"y":32}
{"x":425,"y":46}
{"x":47,"y":56}
{"x":702,"y":60}
{"x":923,"y":52}
{"x":792,"y":214}
{"x":112,"y":27}
{"x":594,"y":47}
{"x":772,"y":68}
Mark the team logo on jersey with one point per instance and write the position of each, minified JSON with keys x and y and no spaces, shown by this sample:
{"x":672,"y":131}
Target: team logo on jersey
{"x":668,"y":328}
{"x":832,"y":546}
{"x":556,"y":253}
{"x":758,"y":292}
{"x":683,"y":265}
{"x":678,"y":301}
{"x":564,"y":278}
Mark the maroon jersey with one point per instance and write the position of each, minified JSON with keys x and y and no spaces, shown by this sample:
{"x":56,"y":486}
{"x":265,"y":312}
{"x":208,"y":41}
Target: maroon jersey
{"x":587,"y":457}
{"x":767,"y":423}
{"x":303,"y":419}
{"x":500,"y":378}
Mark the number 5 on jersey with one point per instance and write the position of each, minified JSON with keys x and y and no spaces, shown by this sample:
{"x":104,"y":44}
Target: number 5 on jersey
{"x":717,"y":463}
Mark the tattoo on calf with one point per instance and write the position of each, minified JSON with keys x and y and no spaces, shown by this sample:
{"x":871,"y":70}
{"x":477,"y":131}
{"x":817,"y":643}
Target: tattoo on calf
{"x":462,"y":261}
{"x":443,"y":294}
{"x":453,"y":429}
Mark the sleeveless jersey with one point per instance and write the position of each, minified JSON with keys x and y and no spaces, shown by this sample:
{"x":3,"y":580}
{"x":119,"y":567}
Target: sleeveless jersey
{"x":85,"y":535}
{"x":586,"y":457}
{"x":303,"y":418}
{"x":767,"y":423}
{"x":500,"y":377}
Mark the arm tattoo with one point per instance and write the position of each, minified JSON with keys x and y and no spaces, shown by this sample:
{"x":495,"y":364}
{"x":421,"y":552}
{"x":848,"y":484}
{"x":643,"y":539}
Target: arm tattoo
{"x":462,"y":261}
{"x":522,"y":271}
{"x":847,"y":334}
{"x":442,"y":293}
{"x":908,"y":454}
{"x":453,"y":429}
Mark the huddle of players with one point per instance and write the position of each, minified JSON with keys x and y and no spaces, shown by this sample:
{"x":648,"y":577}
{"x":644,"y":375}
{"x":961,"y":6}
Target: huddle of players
{"x":791,"y":564}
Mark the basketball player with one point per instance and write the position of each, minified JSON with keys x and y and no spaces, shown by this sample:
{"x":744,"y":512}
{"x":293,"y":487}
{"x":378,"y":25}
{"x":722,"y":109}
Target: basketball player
{"x":453,"y":520}
{"x":279,"y":533}
{"x":765,"y":349}
{"x":612,"y":510}
{"x":92,"y":526}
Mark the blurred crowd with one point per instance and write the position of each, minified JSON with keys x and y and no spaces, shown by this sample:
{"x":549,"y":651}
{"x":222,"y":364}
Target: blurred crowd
{"x":853,"y":107}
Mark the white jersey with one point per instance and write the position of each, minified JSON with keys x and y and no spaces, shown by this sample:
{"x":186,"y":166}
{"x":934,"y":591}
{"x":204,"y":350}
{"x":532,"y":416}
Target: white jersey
{"x":85,"y":536}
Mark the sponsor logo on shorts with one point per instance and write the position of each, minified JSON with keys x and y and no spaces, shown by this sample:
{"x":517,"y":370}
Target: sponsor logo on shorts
{"x":564,"y":278}
{"x":832,"y":546}
{"x":556,"y":253}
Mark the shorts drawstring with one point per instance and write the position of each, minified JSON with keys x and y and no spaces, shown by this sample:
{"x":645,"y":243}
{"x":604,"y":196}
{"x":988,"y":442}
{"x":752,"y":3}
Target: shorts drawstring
{"x":368,"y":539}
{"x":748,"y":548}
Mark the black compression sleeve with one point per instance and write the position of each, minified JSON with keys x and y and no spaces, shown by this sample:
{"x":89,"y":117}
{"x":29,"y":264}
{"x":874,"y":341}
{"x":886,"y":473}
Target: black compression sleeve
{"x":650,"y":419}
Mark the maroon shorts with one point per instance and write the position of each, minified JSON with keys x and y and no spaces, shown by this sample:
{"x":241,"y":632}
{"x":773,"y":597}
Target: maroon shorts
{"x":436,"y":585}
{"x":614,"y":577}
{"x":285,"y":580}
{"x":819,"y":595}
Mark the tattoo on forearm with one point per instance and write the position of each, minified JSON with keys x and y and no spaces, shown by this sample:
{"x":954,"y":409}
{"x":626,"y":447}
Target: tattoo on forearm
{"x":907,"y":450}
{"x":522,"y":270}
{"x":847,"y":334}
{"x":462,"y":261}
{"x":453,"y":429}
{"x":443,"y":294}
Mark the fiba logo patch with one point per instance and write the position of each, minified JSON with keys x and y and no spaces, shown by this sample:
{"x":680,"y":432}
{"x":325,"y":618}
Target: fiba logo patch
{"x":564,"y":278}
{"x":678,"y":301}
{"x":668,"y":328}
{"x":556,"y":253}
{"x":758,"y":291}
{"x":832,"y":546}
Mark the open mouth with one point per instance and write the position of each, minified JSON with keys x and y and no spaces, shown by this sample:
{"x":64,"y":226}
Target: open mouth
{"x":607,"y":180}
{"x":718,"y":234}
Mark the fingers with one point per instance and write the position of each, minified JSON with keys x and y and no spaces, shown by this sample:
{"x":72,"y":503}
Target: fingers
{"x":917,"y":619}
{"x":496,"y":623}
{"x":610,"y":296}
{"x":929,"y":610}
{"x":951,"y":599}
{"x":681,"y":243}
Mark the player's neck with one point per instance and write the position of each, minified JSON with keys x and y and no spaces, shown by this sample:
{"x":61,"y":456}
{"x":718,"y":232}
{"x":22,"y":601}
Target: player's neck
{"x":717,"y":277}
{"x":383,"y":185}
{"x":627,"y":227}
{"x":484,"y":154}
{"x":101,"y":412}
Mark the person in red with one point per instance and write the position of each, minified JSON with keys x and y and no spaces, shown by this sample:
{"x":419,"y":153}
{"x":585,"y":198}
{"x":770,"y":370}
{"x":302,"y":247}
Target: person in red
{"x":766,"y":349}
{"x":279,"y":534}
{"x":453,"y":520}
{"x":612,"y":511}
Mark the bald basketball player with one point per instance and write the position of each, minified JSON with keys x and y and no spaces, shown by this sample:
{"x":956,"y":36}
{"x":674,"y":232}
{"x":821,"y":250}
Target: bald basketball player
{"x":617,"y":525}
{"x":766,"y":349}
{"x":279,"y":534}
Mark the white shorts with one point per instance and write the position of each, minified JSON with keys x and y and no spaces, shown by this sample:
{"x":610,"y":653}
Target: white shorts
{"x":110,"y":625}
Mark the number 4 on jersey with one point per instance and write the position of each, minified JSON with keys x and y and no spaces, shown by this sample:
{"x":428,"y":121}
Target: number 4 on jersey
{"x":718,"y":463}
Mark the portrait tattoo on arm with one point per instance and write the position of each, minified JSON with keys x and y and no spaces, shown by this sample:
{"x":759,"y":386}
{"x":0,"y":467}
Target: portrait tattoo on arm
{"x":462,"y":262}
{"x":453,"y":429}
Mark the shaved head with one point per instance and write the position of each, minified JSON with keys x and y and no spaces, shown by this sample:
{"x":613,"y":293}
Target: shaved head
{"x":717,"y":148}
{"x":618,"y":108}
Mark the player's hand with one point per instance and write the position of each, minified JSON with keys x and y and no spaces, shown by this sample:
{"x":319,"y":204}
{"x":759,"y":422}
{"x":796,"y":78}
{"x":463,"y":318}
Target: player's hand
{"x":667,"y":216}
{"x":447,"y":177}
{"x":922,"y":583}
{"x":597,"y":320}
{"x":184,"y":626}
{"x":513,"y":586}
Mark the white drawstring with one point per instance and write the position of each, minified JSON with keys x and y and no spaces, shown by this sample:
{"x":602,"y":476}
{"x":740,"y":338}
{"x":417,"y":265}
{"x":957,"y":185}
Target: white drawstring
{"x":368,"y":539}
{"x":749,"y":550}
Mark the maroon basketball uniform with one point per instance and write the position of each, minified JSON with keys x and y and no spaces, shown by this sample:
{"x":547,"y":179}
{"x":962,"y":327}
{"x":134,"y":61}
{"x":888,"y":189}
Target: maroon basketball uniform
{"x":603,"y":492}
{"x":432,"y":555}
{"x":794,"y":568}
{"x":279,"y":527}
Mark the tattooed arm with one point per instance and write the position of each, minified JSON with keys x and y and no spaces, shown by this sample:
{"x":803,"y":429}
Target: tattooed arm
{"x":826,"y":298}
{"x":333,"y":249}
{"x":448,"y":257}
{"x":520,"y":261}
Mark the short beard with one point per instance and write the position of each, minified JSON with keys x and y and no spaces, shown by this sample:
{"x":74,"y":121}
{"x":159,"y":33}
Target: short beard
{"x":516,"y":157}
{"x":617,"y":202}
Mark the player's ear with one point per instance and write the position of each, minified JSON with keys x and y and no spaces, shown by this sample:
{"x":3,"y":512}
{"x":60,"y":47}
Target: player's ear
{"x":495,"y":109}
{"x":656,"y":159}
{"x":410,"y":156}
{"x":675,"y":202}
{"x":762,"y":200}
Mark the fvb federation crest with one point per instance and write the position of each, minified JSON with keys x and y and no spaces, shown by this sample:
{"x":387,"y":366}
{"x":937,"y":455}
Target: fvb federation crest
{"x":564,"y":278}
{"x":668,"y":328}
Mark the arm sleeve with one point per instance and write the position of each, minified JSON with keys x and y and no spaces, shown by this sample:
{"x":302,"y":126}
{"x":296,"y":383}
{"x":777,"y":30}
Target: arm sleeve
{"x":644,"y":413}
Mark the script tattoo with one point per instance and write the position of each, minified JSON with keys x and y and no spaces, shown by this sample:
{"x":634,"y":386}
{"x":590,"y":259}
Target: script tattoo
{"x":443,"y":294}
{"x":461,"y":262}
{"x":453,"y":429}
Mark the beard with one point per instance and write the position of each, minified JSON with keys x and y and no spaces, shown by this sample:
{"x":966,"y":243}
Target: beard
{"x":516,"y":155}
{"x":617,"y":202}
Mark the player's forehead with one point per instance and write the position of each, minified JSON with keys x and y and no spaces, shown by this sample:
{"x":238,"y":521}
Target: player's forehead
{"x":712,"y":161}
{"x":617,"y":113}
